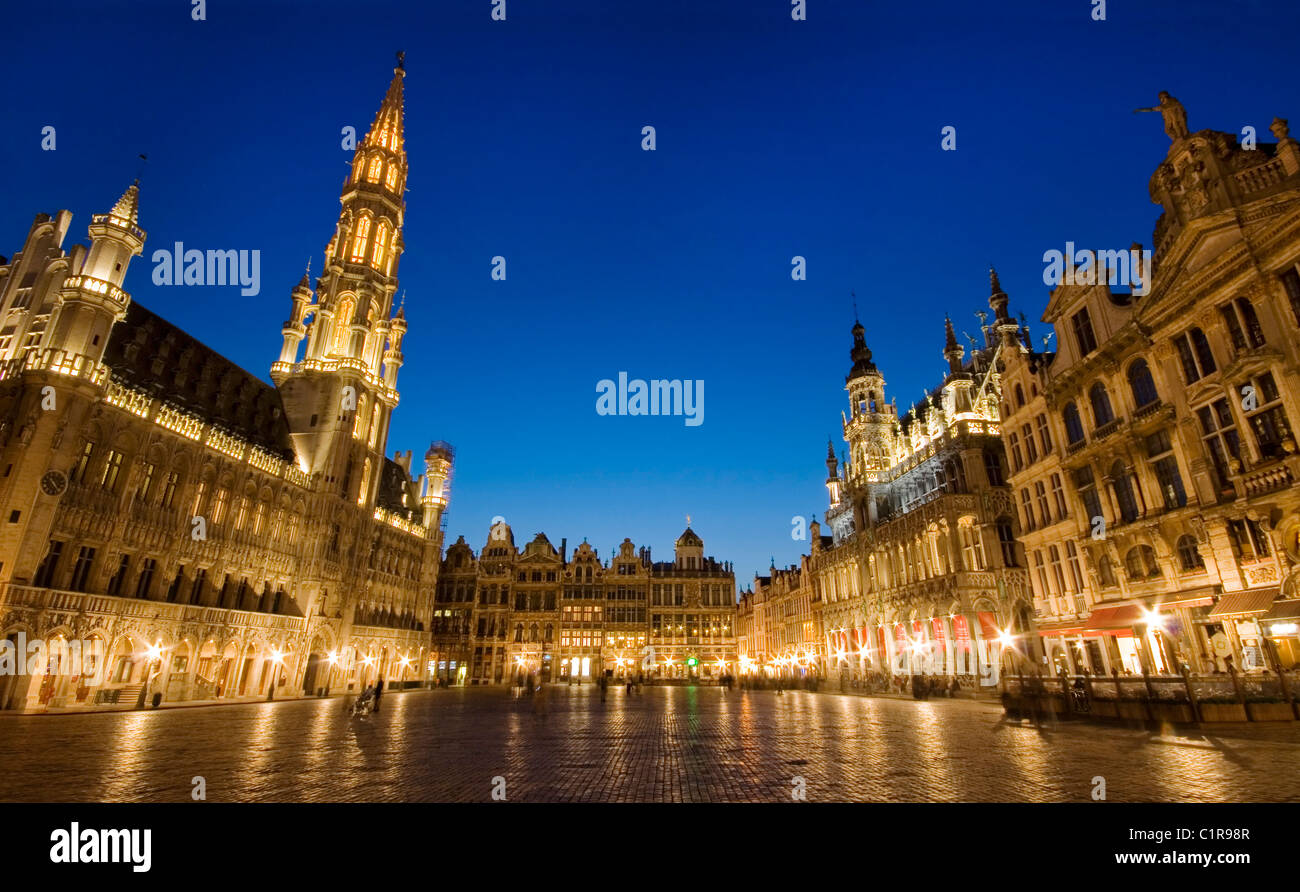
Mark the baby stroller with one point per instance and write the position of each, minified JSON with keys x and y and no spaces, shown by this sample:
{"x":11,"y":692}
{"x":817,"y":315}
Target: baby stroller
{"x":363,"y":704}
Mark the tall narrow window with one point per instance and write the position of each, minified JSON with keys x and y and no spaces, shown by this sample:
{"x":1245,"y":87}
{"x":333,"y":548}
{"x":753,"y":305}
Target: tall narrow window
{"x":1083,"y":333}
{"x":81,"y":569}
{"x":381,"y":246}
{"x":1058,"y":497}
{"x":119,"y":575}
{"x":376,"y":166}
{"x":1291,"y":283}
{"x":1165,"y":466}
{"x":112,"y":470}
{"x":1219,"y":434}
{"x":1073,"y":424}
{"x":1044,"y":434}
{"x":391,"y":179}
{"x":83,"y":462}
{"x":1265,"y":415}
{"x":1122,"y":480}
{"x":361,"y":234}
{"x":1102,"y":414}
{"x":1072,"y":559}
{"x":1195,"y":355}
{"x":374,"y":426}
{"x":1142,"y":385}
{"x":1031,"y":446}
{"x":169,"y":490}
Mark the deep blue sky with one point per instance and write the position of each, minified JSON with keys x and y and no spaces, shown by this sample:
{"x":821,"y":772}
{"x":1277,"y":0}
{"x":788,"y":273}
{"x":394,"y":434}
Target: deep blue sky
{"x":775,"y":138}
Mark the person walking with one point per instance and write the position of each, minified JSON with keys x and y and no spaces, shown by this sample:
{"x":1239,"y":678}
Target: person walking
{"x":604,"y":688}
{"x":379,"y":692}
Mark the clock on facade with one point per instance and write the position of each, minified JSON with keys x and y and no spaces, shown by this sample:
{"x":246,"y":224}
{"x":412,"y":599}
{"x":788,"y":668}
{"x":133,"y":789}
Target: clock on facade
{"x":54,"y":483}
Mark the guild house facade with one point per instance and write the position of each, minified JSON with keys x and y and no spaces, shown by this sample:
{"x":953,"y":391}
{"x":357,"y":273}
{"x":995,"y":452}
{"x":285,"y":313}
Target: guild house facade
{"x":200,"y":533}
{"x":1153,"y":454}
{"x":921,"y":573}
{"x":508,"y":613}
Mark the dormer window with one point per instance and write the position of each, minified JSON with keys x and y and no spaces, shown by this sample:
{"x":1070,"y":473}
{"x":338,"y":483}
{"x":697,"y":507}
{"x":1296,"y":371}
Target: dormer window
{"x":1083,"y":333}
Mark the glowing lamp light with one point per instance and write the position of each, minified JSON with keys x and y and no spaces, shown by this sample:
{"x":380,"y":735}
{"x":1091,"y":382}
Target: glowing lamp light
{"x":1284,"y":628}
{"x":332,"y":656}
{"x":691,"y":661}
{"x":1006,"y":639}
{"x":152,"y":652}
{"x":276,"y":656}
{"x":1152,"y":618}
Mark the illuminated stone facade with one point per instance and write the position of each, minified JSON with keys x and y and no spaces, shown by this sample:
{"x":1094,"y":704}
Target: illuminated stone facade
{"x":507,"y":612}
{"x":205,"y":534}
{"x":1153,"y":454}
{"x":922,"y":574}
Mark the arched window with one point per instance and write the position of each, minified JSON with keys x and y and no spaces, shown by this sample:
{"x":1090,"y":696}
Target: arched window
{"x":1122,"y":480}
{"x":391,"y":180}
{"x":381,"y":247}
{"x":1101,"y":411}
{"x":343,"y":325}
{"x":1140,"y":563}
{"x":519,"y":632}
{"x":365,"y":483}
{"x":359,"y":417}
{"x":1020,"y":396}
{"x":1189,"y":556}
{"x":374,"y":426}
{"x":376,"y":165}
{"x":550,"y":631}
{"x":1142,"y":385}
{"x":361,"y":233}
{"x":1073,"y":424}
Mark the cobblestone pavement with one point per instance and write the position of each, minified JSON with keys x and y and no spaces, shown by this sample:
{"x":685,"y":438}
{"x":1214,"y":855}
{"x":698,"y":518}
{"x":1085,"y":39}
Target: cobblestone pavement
{"x":667,"y":744}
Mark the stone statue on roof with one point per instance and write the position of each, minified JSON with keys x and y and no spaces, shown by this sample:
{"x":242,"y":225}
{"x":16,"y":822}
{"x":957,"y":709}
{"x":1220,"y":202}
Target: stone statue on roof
{"x":1174,"y":114}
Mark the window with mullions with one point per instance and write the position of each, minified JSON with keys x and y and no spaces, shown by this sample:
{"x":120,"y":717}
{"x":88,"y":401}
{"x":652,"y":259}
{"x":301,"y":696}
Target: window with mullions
{"x":1219,"y":434}
{"x":992,"y":469}
{"x":1058,"y":496}
{"x":1072,"y":559}
{"x":1189,"y":555}
{"x":1027,"y":510}
{"x":1044,"y":435}
{"x":1017,"y":462}
{"x":1249,"y":541}
{"x":1031,"y":447}
{"x":1040,"y":494}
{"x":1140,"y":563}
{"x":1195,"y":355}
{"x":1083,"y":334}
{"x":1242,"y":324}
{"x":1268,"y":421}
{"x":1164,"y":465}
{"x":1125,"y":494}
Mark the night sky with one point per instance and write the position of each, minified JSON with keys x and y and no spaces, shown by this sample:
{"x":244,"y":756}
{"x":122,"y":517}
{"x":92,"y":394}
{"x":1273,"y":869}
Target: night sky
{"x":775,"y":138}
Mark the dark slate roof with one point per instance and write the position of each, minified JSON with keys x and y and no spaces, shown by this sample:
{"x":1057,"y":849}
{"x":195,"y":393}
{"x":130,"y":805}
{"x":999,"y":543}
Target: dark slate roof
{"x":392,"y":483}
{"x":149,"y":353}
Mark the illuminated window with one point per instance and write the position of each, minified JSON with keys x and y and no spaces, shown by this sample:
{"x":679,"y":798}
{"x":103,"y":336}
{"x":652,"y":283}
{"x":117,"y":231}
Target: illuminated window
{"x":374,"y":426}
{"x":359,"y":240}
{"x":376,"y":165}
{"x":381,"y":247}
{"x":358,"y":418}
{"x":365,"y":483}
{"x":391,"y":180}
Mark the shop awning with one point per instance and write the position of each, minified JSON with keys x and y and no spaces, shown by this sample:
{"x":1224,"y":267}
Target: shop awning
{"x":1256,"y":600}
{"x":1284,"y":610}
{"x":1102,"y":619}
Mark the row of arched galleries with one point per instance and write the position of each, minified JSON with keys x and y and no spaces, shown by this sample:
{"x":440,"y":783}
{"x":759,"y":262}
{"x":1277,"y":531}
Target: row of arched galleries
{"x":950,"y":642}
{"x":77,"y":669}
{"x":359,"y":664}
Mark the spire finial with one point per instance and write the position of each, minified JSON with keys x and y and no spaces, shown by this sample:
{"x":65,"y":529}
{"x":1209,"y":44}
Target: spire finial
{"x":139,"y":172}
{"x":854,"y":296}
{"x":994,"y":285}
{"x":401,"y":61}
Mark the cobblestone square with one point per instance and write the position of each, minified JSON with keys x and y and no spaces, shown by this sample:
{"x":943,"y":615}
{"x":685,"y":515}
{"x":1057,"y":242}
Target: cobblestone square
{"x":668,"y":744}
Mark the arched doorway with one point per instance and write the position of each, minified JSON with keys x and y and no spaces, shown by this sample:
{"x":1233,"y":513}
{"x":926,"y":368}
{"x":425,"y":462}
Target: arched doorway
{"x":315,"y":678}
